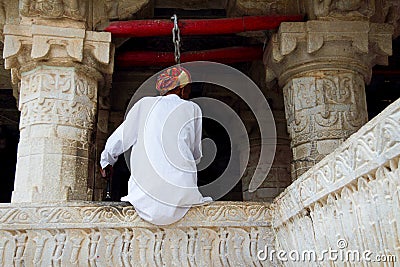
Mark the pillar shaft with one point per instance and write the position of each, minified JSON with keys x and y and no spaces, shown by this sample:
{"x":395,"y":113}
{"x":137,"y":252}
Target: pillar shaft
{"x":322,"y":108}
{"x":59,"y":72}
{"x":322,"y":68}
{"x":58,"y":106}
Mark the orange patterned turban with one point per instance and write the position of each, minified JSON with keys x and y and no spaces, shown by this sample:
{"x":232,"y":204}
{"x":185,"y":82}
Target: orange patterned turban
{"x":171,"y":78}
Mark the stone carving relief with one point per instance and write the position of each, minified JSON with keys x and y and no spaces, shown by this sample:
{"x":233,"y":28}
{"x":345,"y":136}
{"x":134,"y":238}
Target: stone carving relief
{"x":391,"y":15}
{"x":24,"y":43}
{"x":108,"y":10}
{"x":231,"y":235}
{"x":323,"y":108}
{"x":61,"y":96}
{"x":335,"y":99}
{"x":59,"y":71}
{"x":351,"y":194}
{"x":364,"y":37}
{"x":123,"y":9}
{"x":8,"y":13}
{"x":72,"y":9}
{"x":343,"y":9}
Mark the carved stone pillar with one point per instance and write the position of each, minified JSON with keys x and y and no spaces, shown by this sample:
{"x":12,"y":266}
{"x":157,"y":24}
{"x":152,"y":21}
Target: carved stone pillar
{"x":59,"y":71}
{"x":322,"y":67}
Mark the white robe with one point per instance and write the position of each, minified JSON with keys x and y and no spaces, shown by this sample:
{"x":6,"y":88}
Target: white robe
{"x":165,"y":135}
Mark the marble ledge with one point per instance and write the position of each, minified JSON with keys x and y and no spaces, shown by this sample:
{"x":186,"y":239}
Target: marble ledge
{"x":86,"y":214}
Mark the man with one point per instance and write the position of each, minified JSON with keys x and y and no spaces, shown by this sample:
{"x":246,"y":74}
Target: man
{"x":164,"y":133}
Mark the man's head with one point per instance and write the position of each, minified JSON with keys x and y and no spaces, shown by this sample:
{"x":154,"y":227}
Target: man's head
{"x":174,"y":80}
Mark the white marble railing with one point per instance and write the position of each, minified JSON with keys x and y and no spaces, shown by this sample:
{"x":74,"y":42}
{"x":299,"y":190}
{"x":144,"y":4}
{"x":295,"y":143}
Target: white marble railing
{"x":350,"y":199}
{"x":108,"y":234}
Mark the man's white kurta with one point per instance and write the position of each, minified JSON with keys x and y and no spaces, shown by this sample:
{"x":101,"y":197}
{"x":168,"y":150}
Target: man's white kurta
{"x":164,"y":133}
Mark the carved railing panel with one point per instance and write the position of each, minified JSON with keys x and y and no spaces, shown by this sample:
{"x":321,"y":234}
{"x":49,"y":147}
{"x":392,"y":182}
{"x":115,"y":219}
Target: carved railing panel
{"x":352,"y":194}
{"x":99,"y":234}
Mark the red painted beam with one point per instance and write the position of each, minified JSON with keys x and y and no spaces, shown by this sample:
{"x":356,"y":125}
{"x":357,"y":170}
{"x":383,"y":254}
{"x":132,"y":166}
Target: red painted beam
{"x":223,"y":55}
{"x":146,"y":28}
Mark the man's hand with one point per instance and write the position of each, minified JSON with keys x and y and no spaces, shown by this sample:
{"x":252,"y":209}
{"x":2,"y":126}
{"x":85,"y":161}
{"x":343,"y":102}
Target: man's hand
{"x":107,"y":171}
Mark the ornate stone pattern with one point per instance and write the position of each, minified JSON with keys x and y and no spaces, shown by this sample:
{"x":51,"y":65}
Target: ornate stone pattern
{"x":384,"y":11}
{"x":58,"y":95}
{"x":322,"y":67}
{"x":322,"y":109}
{"x":390,"y":13}
{"x":343,"y":9}
{"x":8,"y":13}
{"x":51,"y":9}
{"x":24,"y":44}
{"x":86,"y":234}
{"x":58,"y":107}
{"x":59,"y":71}
{"x":370,"y":44}
{"x":352,"y":193}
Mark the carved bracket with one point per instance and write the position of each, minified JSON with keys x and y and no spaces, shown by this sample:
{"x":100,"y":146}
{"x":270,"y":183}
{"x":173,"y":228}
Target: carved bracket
{"x":317,"y":41}
{"x":316,"y":33}
{"x":24,"y":44}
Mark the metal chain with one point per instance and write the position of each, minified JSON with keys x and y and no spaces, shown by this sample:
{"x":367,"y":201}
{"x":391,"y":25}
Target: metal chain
{"x":176,"y":39}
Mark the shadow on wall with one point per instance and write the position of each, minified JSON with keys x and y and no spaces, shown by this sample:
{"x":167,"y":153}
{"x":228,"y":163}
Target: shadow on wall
{"x":8,"y":159}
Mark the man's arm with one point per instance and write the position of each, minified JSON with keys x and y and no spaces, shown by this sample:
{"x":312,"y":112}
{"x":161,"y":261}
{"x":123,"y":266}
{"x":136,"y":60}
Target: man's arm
{"x":113,"y":148}
{"x":121,"y":140}
{"x":197,"y":153}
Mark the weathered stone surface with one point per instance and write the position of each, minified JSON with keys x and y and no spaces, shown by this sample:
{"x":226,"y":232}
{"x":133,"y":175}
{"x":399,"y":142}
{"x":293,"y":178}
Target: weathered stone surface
{"x":8,"y":14}
{"x":262,"y":7}
{"x":24,"y":45}
{"x":59,"y":71}
{"x":105,"y":11}
{"x":322,"y":110}
{"x":99,"y":234}
{"x":322,"y":67}
{"x":50,"y":9}
{"x":341,"y":9}
{"x":58,"y":107}
{"x":352,"y":194}
{"x":299,"y":47}
{"x":384,"y":11}
{"x":5,"y":77}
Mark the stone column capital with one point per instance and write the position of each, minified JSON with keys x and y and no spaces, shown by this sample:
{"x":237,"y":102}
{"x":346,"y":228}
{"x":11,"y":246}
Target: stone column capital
{"x":27,"y":46}
{"x":299,"y":47}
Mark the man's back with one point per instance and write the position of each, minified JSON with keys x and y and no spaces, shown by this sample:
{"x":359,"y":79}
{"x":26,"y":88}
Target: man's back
{"x":165,"y":134}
